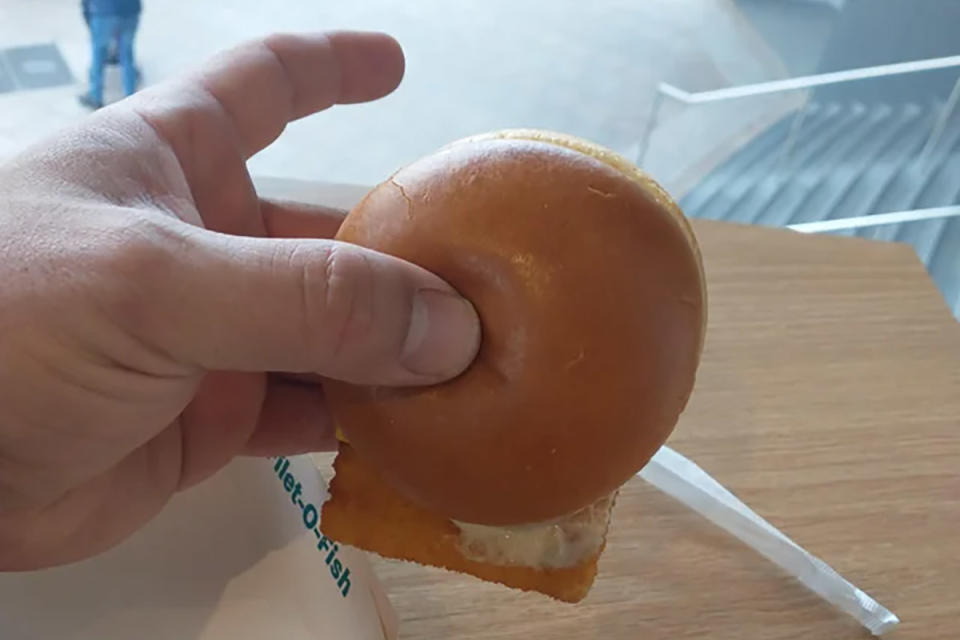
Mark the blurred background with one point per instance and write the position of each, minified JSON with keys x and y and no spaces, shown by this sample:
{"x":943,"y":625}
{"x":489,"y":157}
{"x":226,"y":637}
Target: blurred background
{"x":828,"y":116}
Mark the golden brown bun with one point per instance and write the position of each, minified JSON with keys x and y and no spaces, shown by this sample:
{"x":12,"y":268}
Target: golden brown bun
{"x":590,"y":292}
{"x":366,"y":513}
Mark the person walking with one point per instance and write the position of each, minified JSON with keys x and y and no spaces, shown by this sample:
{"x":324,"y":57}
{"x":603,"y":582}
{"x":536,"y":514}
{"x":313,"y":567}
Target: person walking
{"x":111,"y":21}
{"x":112,"y":59}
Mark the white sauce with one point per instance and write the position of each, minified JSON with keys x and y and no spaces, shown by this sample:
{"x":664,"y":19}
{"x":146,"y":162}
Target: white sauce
{"x":548,"y":545}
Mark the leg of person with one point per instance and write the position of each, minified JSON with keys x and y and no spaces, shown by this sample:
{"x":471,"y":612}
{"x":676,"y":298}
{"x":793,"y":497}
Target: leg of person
{"x":113,"y":56}
{"x":100,"y":33}
{"x":127,"y":33}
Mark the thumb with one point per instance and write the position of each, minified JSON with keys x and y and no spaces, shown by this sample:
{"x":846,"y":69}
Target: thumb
{"x":258,"y":304}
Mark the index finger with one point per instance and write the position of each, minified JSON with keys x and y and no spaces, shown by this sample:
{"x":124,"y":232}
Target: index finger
{"x":286,"y":219}
{"x":257,"y":88}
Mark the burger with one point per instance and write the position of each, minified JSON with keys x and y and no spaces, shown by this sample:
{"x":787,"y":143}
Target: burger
{"x":590,"y":290}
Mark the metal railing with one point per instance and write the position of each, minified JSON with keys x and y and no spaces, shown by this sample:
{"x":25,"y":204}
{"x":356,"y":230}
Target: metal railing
{"x":807,"y":82}
{"x":876,"y":220}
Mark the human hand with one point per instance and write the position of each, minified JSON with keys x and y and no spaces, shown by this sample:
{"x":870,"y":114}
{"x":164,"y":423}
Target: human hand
{"x":147,"y":300}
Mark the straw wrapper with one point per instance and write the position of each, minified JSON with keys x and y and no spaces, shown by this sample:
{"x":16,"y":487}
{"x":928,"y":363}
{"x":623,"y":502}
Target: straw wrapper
{"x":683,"y":480}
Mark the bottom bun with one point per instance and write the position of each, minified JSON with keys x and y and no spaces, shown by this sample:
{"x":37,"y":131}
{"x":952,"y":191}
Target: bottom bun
{"x":365,"y":512}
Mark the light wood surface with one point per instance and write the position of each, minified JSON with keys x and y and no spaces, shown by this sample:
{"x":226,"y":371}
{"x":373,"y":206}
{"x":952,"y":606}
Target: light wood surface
{"x":828,"y":400}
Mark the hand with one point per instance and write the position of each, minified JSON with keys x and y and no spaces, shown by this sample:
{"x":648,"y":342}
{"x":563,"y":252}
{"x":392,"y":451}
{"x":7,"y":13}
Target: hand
{"x":146,"y":295}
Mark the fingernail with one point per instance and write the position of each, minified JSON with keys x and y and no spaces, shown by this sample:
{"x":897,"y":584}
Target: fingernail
{"x":443,"y":336}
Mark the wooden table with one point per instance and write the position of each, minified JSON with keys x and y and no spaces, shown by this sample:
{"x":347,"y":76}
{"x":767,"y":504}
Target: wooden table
{"x":829,"y":401}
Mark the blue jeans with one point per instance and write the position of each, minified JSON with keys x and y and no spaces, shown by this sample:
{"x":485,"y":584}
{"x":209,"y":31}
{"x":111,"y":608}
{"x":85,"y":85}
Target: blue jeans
{"x":103,"y":31}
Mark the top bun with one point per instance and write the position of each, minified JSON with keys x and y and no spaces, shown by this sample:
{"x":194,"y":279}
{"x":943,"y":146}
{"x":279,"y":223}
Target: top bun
{"x":590,"y":291}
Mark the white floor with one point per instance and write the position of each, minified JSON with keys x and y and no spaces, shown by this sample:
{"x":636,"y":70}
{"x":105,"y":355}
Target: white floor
{"x":587,"y":68}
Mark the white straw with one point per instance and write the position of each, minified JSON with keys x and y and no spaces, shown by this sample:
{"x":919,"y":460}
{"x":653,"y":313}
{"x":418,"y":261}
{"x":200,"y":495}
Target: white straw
{"x":682,"y":479}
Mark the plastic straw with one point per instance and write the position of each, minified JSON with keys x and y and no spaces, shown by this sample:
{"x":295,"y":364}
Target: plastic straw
{"x":682,"y":479}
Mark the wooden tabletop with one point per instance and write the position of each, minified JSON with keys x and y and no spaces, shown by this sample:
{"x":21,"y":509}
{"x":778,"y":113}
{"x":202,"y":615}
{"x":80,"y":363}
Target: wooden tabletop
{"x":829,"y":401}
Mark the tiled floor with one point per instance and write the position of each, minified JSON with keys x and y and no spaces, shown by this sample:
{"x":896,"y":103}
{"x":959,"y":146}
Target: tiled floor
{"x":588,"y":68}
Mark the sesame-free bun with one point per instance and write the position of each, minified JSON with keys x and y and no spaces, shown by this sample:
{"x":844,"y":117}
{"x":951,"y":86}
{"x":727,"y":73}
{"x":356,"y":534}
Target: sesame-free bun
{"x":590,"y":291}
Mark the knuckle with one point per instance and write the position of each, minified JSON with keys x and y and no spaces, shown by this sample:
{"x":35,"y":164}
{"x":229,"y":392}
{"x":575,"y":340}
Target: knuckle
{"x":348,"y":302}
{"x":136,"y":266}
{"x":275,"y":41}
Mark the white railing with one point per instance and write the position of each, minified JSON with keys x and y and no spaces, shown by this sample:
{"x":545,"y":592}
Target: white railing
{"x":807,"y":82}
{"x":876,"y":220}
